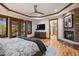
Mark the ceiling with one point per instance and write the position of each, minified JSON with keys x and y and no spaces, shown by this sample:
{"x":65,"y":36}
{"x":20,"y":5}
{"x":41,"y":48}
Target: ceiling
{"x":27,"y":8}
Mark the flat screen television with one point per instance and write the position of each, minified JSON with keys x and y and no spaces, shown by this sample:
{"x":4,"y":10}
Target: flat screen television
{"x":41,"y":27}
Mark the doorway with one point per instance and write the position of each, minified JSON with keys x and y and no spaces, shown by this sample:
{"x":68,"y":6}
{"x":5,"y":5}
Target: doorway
{"x":53,"y":29}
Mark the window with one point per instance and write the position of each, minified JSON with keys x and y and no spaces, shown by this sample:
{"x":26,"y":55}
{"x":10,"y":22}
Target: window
{"x":3,"y":27}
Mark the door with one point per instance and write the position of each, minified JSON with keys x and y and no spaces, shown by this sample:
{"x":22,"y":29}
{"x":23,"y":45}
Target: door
{"x":53,"y":29}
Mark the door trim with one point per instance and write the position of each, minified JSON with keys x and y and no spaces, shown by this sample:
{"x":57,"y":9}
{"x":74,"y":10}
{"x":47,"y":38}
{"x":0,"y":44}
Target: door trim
{"x":57,"y":27}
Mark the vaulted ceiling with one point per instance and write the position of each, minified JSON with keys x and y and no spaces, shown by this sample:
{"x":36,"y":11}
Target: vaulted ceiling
{"x":27,"y":8}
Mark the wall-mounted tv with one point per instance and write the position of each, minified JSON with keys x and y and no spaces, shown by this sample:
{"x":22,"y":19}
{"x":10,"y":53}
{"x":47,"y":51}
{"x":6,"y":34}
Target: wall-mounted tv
{"x":41,"y":27}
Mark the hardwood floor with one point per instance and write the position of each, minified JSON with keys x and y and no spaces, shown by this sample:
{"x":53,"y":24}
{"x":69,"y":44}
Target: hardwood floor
{"x":63,"y":50}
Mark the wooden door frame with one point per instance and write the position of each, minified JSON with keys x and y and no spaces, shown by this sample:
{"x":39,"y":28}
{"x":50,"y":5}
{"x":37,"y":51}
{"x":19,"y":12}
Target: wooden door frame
{"x":57,"y":27}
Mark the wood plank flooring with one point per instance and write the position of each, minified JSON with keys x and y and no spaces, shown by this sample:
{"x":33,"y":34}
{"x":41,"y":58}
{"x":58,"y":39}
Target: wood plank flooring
{"x":64,"y":50}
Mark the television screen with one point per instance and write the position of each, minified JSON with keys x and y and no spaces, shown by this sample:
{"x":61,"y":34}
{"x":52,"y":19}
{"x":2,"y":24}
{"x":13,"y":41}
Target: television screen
{"x":41,"y":27}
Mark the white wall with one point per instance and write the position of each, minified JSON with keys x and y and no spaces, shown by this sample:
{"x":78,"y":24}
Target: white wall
{"x":43,"y":21}
{"x":60,"y":28}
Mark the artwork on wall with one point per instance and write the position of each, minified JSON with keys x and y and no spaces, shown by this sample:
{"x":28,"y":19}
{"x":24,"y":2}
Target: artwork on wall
{"x":68,"y":21}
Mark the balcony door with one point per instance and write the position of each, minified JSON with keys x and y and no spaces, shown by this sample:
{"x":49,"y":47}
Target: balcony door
{"x":3,"y":27}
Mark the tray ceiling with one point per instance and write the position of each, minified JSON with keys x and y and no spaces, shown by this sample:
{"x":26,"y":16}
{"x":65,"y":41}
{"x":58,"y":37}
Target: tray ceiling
{"x":27,"y":8}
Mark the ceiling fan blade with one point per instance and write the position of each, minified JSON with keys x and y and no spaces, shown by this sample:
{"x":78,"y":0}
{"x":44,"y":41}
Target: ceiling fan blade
{"x":40,"y":12}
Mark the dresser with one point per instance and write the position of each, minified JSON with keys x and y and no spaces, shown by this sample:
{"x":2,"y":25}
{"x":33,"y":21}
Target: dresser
{"x":41,"y":35}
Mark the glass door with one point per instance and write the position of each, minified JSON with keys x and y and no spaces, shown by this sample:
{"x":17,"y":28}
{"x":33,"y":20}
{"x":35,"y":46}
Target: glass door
{"x":23,"y":29}
{"x":14,"y":29}
{"x":3,"y":27}
{"x":29,"y":27}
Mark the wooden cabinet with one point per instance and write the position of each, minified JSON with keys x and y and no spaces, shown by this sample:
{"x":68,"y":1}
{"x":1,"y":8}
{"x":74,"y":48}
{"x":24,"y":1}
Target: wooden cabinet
{"x":40,"y":35}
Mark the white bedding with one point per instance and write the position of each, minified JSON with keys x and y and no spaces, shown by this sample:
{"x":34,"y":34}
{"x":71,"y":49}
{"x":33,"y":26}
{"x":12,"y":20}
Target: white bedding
{"x":17,"y":47}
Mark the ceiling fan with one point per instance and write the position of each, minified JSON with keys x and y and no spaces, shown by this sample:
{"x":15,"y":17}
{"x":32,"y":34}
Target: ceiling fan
{"x":36,"y":12}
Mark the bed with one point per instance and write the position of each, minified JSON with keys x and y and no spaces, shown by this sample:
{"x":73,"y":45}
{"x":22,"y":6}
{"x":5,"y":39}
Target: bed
{"x":21,"y":47}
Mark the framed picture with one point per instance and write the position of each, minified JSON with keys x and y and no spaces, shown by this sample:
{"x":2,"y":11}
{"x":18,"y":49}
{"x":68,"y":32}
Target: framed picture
{"x":68,"y":21}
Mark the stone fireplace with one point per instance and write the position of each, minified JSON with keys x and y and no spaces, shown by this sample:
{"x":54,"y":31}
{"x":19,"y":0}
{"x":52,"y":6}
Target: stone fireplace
{"x":69,"y":35}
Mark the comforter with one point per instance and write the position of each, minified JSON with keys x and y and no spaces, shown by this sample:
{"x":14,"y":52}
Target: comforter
{"x":18,"y":47}
{"x":38,"y":42}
